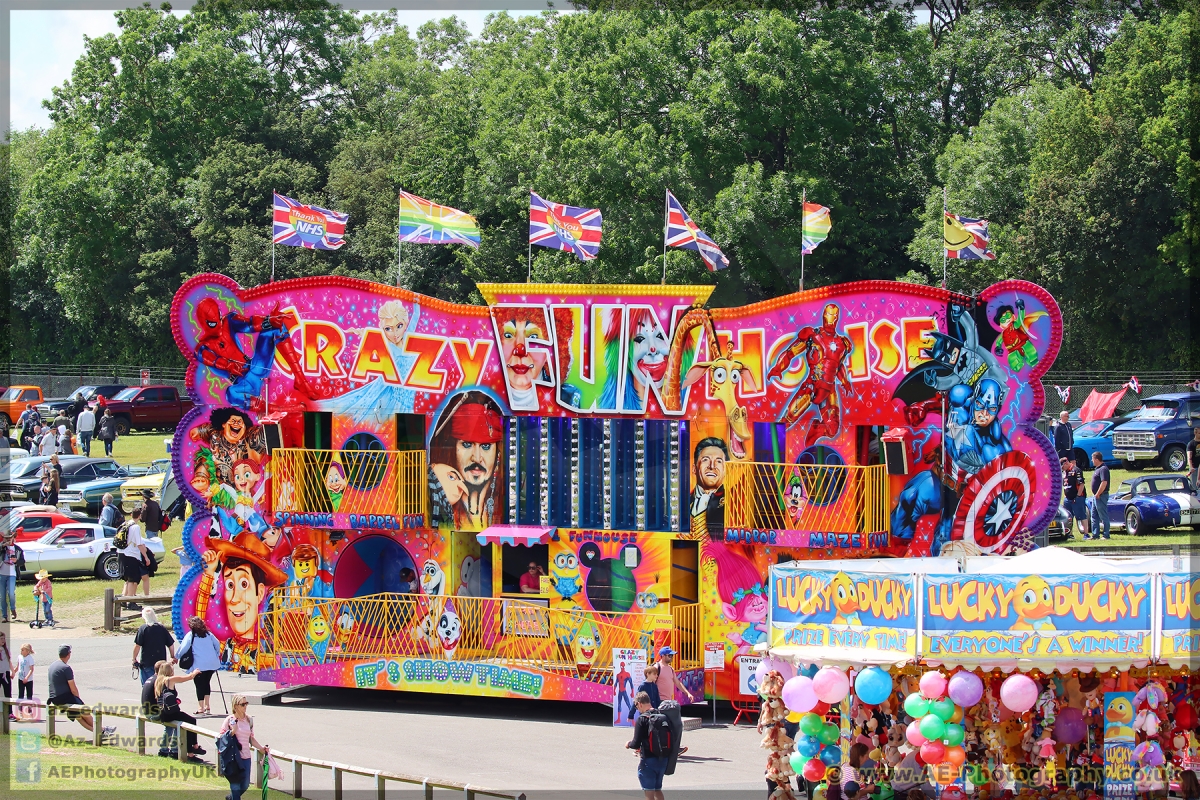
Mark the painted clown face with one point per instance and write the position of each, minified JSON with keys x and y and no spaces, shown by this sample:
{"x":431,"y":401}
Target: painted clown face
{"x":649,"y":353}
{"x":521,"y":365}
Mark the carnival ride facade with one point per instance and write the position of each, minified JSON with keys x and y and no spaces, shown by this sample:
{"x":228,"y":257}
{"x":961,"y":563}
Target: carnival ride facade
{"x":375,"y":471}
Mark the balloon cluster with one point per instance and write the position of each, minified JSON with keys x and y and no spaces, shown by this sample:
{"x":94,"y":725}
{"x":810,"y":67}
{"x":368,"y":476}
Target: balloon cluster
{"x":808,"y":700}
{"x":937,"y":712}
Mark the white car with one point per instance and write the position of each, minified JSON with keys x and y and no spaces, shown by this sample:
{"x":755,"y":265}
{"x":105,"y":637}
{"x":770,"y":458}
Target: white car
{"x":81,"y":548}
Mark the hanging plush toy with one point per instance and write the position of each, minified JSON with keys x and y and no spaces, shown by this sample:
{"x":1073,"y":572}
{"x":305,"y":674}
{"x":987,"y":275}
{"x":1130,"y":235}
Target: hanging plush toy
{"x":1045,"y":707}
{"x":1150,"y":702}
{"x":773,"y":709}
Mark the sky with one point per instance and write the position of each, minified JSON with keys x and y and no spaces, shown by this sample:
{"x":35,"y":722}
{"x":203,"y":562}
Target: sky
{"x":45,"y":45}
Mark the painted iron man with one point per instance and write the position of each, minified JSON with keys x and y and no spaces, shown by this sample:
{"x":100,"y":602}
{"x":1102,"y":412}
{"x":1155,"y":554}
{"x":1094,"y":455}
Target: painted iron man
{"x":826,"y":352}
{"x":217,"y":348}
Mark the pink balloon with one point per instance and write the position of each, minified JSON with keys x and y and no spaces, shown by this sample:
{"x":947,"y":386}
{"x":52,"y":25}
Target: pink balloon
{"x":965,"y":688}
{"x":769,"y":663}
{"x":1018,"y":693}
{"x":831,"y":685}
{"x":933,"y":685}
{"x":914,"y":735}
{"x":798,"y":694}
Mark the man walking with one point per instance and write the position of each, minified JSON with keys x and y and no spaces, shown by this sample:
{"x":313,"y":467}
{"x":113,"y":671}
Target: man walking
{"x":28,"y":422}
{"x":60,"y":419}
{"x":64,"y":692}
{"x":135,"y":559}
{"x":652,"y":765}
{"x":108,"y":431}
{"x":85,"y":425}
{"x":668,"y":681}
{"x":1075,"y":493}
{"x":48,"y":444}
{"x":108,"y":511}
{"x":1100,"y":479}
{"x":1064,"y":437}
{"x":152,"y":643}
{"x":9,"y":555}
{"x":152,"y":516}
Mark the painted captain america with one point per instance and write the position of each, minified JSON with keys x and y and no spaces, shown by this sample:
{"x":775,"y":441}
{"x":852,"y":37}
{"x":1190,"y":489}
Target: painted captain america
{"x":217,"y":348}
{"x":973,"y":437}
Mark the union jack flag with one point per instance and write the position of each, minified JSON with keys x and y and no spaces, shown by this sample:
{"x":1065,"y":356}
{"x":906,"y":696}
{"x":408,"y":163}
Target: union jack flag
{"x":966,"y":238}
{"x":1134,"y":384}
{"x":300,"y":225}
{"x":570,"y":228}
{"x":682,"y":232}
{"x":1063,"y":394}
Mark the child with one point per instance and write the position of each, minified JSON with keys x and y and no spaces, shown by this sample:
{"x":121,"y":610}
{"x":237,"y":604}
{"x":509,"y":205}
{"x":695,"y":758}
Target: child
{"x":25,"y":673}
{"x":43,"y":590}
{"x":650,"y":687}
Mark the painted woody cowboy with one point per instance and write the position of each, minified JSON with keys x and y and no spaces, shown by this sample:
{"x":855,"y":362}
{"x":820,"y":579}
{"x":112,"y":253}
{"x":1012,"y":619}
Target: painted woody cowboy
{"x":247,"y":576}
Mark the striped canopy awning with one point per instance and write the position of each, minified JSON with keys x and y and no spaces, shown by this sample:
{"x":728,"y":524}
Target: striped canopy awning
{"x":524,"y":535}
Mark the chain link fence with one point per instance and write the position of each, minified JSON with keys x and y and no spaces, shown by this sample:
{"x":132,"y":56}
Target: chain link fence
{"x":1082,"y":384}
{"x":61,"y":380}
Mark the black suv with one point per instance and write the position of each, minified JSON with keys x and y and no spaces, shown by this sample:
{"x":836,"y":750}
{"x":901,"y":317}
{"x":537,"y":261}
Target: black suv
{"x":49,"y":409}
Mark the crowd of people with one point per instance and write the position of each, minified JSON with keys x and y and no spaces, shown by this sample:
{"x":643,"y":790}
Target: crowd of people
{"x":71,"y":432}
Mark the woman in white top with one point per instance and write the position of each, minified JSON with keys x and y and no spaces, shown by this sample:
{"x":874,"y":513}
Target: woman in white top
{"x":242,"y":726}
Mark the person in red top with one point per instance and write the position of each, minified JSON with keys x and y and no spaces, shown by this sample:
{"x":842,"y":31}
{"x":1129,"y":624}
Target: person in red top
{"x":531,"y":580}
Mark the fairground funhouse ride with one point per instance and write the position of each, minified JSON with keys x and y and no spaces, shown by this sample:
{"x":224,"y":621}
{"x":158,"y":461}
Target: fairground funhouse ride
{"x":375,"y":471}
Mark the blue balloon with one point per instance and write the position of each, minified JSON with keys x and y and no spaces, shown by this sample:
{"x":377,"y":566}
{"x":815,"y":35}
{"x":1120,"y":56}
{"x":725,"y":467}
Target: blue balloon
{"x":831,"y":755}
{"x":808,"y":746}
{"x":873,"y":685}
{"x":808,"y":670}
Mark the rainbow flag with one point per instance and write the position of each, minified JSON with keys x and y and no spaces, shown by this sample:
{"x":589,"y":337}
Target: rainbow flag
{"x":816,"y":226}
{"x":423,"y":222}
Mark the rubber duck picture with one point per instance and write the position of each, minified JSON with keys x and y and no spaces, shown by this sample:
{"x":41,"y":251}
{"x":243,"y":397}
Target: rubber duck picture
{"x":1118,"y":718}
{"x":845,"y":600}
{"x":1033,"y":603}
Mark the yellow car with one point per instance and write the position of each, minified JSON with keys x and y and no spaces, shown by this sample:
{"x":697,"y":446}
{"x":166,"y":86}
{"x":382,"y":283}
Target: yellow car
{"x":131,"y":490}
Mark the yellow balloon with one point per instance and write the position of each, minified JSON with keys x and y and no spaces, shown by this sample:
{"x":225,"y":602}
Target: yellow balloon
{"x":957,"y":715}
{"x":793,"y":716}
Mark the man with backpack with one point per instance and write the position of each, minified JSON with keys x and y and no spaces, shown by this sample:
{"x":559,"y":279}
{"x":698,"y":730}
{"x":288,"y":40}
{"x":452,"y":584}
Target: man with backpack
{"x":652,"y":741}
{"x":111,"y":515}
{"x":134,"y":556}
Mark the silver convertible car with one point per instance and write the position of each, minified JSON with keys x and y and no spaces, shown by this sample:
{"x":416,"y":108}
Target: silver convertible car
{"x":81,"y":548}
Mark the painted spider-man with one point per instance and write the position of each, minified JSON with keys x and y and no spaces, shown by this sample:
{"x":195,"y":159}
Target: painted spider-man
{"x":217,"y":348}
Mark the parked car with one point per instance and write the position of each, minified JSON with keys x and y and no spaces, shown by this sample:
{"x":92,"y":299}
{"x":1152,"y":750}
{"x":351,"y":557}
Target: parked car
{"x":50,"y":408}
{"x":148,"y":407}
{"x":1159,"y":431}
{"x":1096,"y":437}
{"x":30,"y":524}
{"x":1076,"y":421}
{"x":1154,"y":501}
{"x":81,"y":548}
{"x":14,"y":400}
{"x":1062,"y":525}
{"x":75,"y":469}
{"x":86,"y":496}
{"x":131,"y":490}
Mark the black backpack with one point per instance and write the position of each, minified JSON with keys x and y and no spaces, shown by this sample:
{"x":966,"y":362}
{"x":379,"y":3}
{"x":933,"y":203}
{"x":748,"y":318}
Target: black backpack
{"x":658,"y":733}
{"x":119,"y":516}
{"x":121,"y":539}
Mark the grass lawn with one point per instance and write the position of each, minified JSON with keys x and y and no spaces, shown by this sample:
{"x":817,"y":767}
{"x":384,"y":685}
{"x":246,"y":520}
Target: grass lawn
{"x":84,"y":771}
{"x":137,"y":448}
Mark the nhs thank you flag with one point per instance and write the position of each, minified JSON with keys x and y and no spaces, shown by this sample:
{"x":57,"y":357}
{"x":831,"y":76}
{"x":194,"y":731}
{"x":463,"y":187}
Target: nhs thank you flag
{"x":570,"y":228}
{"x":299,"y":225}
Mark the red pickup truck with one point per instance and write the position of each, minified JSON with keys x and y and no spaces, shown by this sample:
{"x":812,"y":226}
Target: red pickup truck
{"x":148,"y":407}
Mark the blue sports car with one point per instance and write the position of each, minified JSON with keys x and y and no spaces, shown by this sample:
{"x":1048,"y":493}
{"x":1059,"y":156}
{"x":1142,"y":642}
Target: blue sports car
{"x":1096,"y":436}
{"x":1158,"y":501}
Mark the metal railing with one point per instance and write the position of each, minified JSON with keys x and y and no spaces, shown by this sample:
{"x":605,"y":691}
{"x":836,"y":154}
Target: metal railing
{"x":57,"y":380}
{"x":389,"y":482}
{"x":504,"y":631}
{"x":337,"y":770}
{"x":811,"y":497}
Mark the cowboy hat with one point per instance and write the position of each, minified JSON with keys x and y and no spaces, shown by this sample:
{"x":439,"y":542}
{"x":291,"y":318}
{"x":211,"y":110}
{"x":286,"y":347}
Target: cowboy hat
{"x":41,"y":574}
{"x":248,"y":547}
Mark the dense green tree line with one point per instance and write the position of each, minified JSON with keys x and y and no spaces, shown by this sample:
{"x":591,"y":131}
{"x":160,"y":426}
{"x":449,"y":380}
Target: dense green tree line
{"x":1068,"y":126}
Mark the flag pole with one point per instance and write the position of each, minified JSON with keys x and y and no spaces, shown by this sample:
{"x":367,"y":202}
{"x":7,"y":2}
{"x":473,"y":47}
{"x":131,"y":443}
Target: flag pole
{"x":529,"y":256}
{"x":399,"y":241}
{"x":272,"y":253}
{"x":944,"y":237}
{"x":666,"y":222}
{"x":803,"y":200}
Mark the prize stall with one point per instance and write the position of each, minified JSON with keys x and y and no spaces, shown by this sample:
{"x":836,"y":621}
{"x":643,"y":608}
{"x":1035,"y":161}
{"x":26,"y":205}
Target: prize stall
{"x":1045,"y":675}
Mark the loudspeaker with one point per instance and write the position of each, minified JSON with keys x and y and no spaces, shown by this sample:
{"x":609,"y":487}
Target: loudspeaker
{"x":274,"y":436}
{"x":895,"y":450}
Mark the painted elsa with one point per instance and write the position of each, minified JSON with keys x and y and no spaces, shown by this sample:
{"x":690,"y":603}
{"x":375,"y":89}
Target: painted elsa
{"x":378,"y":401}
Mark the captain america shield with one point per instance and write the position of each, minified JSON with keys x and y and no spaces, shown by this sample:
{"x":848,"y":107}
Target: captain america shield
{"x":995,"y":503}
